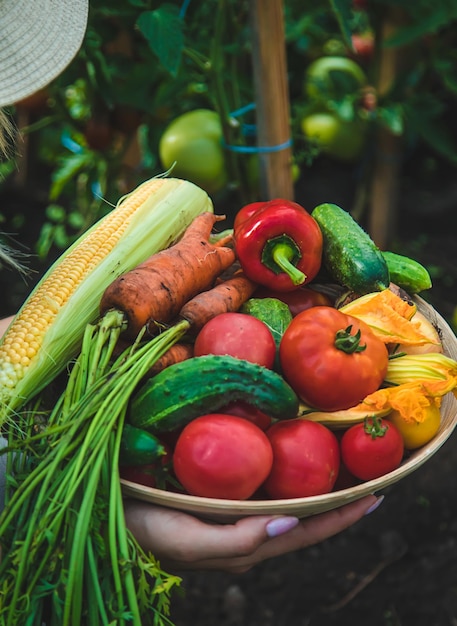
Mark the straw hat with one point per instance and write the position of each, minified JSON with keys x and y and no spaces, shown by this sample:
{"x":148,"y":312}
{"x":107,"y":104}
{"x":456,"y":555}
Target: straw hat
{"x":38,"y":39}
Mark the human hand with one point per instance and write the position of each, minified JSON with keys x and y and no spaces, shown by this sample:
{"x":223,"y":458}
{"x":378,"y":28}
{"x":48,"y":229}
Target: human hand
{"x":181,"y":541}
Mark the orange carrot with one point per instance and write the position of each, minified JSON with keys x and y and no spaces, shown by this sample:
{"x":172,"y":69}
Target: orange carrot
{"x":154,"y":292}
{"x":225,"y":297}
{"x":176,"y":354}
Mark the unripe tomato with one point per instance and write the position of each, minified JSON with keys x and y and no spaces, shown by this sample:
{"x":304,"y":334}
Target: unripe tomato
{"x":193,"y":142}
{"x":340,"y":139}
{"x":333,"y":77}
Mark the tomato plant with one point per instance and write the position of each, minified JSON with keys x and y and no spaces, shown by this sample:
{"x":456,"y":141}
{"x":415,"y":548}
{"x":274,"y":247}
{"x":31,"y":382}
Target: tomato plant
{"x":240,"y":335}
{"x":298,"y":300}
{"x":306,"y":459}
{"x":192,"y":144}
{"x":330,"y":359}
{"x":341,"y":139}
{"x":417,"y":433}
{"x":222,"y":456}
{"x":372,"y":448}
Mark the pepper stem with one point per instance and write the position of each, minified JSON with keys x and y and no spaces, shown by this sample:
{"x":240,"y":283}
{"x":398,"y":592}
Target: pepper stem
{"x":280,"y":255}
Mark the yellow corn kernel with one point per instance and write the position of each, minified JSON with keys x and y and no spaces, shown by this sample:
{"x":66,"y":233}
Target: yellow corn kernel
{"x":47,"y":331}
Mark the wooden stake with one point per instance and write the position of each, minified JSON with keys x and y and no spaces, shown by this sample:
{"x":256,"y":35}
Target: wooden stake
{"x":272,"y":98}
{"x":382,"y":218}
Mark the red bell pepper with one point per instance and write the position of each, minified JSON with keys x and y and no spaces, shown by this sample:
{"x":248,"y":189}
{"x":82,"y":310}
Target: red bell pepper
{"x":278,"y":244}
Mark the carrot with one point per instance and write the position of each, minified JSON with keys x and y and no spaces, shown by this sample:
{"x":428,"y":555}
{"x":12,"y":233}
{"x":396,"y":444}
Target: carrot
{"x":225,"y":297}
{"x":154,"y":292}
{"x":176,"y":354}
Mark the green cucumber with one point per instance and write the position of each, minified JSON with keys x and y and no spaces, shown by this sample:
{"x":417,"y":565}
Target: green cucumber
{"x":407,"y":273}
{"x":349,"y":254}
{"x":204,"y":384}
{"x":138,"y":446}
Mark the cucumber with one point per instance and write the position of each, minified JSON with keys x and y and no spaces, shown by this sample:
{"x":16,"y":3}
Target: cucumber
{"x":204,"y":384}
{"x":349,"y":254}
{"x":407,"y":273}
{"x":138,"y":446}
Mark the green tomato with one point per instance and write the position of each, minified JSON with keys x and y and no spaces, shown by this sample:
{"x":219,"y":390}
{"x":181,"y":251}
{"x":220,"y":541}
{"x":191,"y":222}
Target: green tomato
{"x":333,"y":77}
{"x":343,"y":140}
{"x":193,"y":143}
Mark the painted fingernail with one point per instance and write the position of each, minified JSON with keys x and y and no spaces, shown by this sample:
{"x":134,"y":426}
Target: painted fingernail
{"x":374,"y":506}
{"x":281,"y":525}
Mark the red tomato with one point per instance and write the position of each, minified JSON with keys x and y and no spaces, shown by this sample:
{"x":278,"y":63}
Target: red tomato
{"x":372,"y":448}
{"x":363,"y":45}
{"x":240,"y":335}
{"x":306,"y":459}
{"x":321,"y":361}
{"x":298,"y":300}
{"x":222,"y":456}
{"x":243,"y":409}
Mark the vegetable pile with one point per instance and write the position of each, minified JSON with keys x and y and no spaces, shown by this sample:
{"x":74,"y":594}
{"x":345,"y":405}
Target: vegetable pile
{"x":271,"y":361}
{"x":329,"y":359}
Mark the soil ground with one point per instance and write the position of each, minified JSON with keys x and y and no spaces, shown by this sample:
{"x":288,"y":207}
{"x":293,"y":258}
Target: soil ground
{"x":396,"y":567}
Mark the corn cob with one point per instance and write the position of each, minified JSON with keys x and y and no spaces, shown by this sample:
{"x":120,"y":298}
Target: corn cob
{"x":46,"y":332}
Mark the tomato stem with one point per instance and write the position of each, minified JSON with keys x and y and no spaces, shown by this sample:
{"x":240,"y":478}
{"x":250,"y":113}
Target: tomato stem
{"x":374,"y":427}
{"x":349,"y":343}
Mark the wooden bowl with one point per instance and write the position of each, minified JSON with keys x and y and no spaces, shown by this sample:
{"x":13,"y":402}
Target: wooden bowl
{"x":225,"y":511}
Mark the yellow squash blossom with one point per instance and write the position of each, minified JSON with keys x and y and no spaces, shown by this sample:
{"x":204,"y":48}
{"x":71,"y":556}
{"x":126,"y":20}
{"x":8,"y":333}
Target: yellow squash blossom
{"x":411,"y":400}
{"x":389,"y":317}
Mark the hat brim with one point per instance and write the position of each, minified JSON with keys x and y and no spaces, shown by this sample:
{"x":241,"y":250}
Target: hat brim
{"x":38,"y":39}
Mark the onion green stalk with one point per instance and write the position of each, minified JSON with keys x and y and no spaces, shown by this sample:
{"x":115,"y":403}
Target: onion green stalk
{"x":68,"y":558}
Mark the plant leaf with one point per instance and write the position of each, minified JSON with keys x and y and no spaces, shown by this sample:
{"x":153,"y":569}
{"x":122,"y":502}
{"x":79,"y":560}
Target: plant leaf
{"x":71,"y":165}
{"x":163,"y":30}
{"x":343,"y":13}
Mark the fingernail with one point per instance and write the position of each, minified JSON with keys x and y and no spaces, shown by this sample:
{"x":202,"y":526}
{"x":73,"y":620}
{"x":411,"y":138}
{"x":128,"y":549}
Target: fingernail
{"x":374,"y":506}
{"x":281,"y":525}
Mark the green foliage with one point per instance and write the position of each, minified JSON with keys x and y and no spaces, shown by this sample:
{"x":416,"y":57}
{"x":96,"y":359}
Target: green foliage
{"x":163,"y":30}
{"x":145,"y":62}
